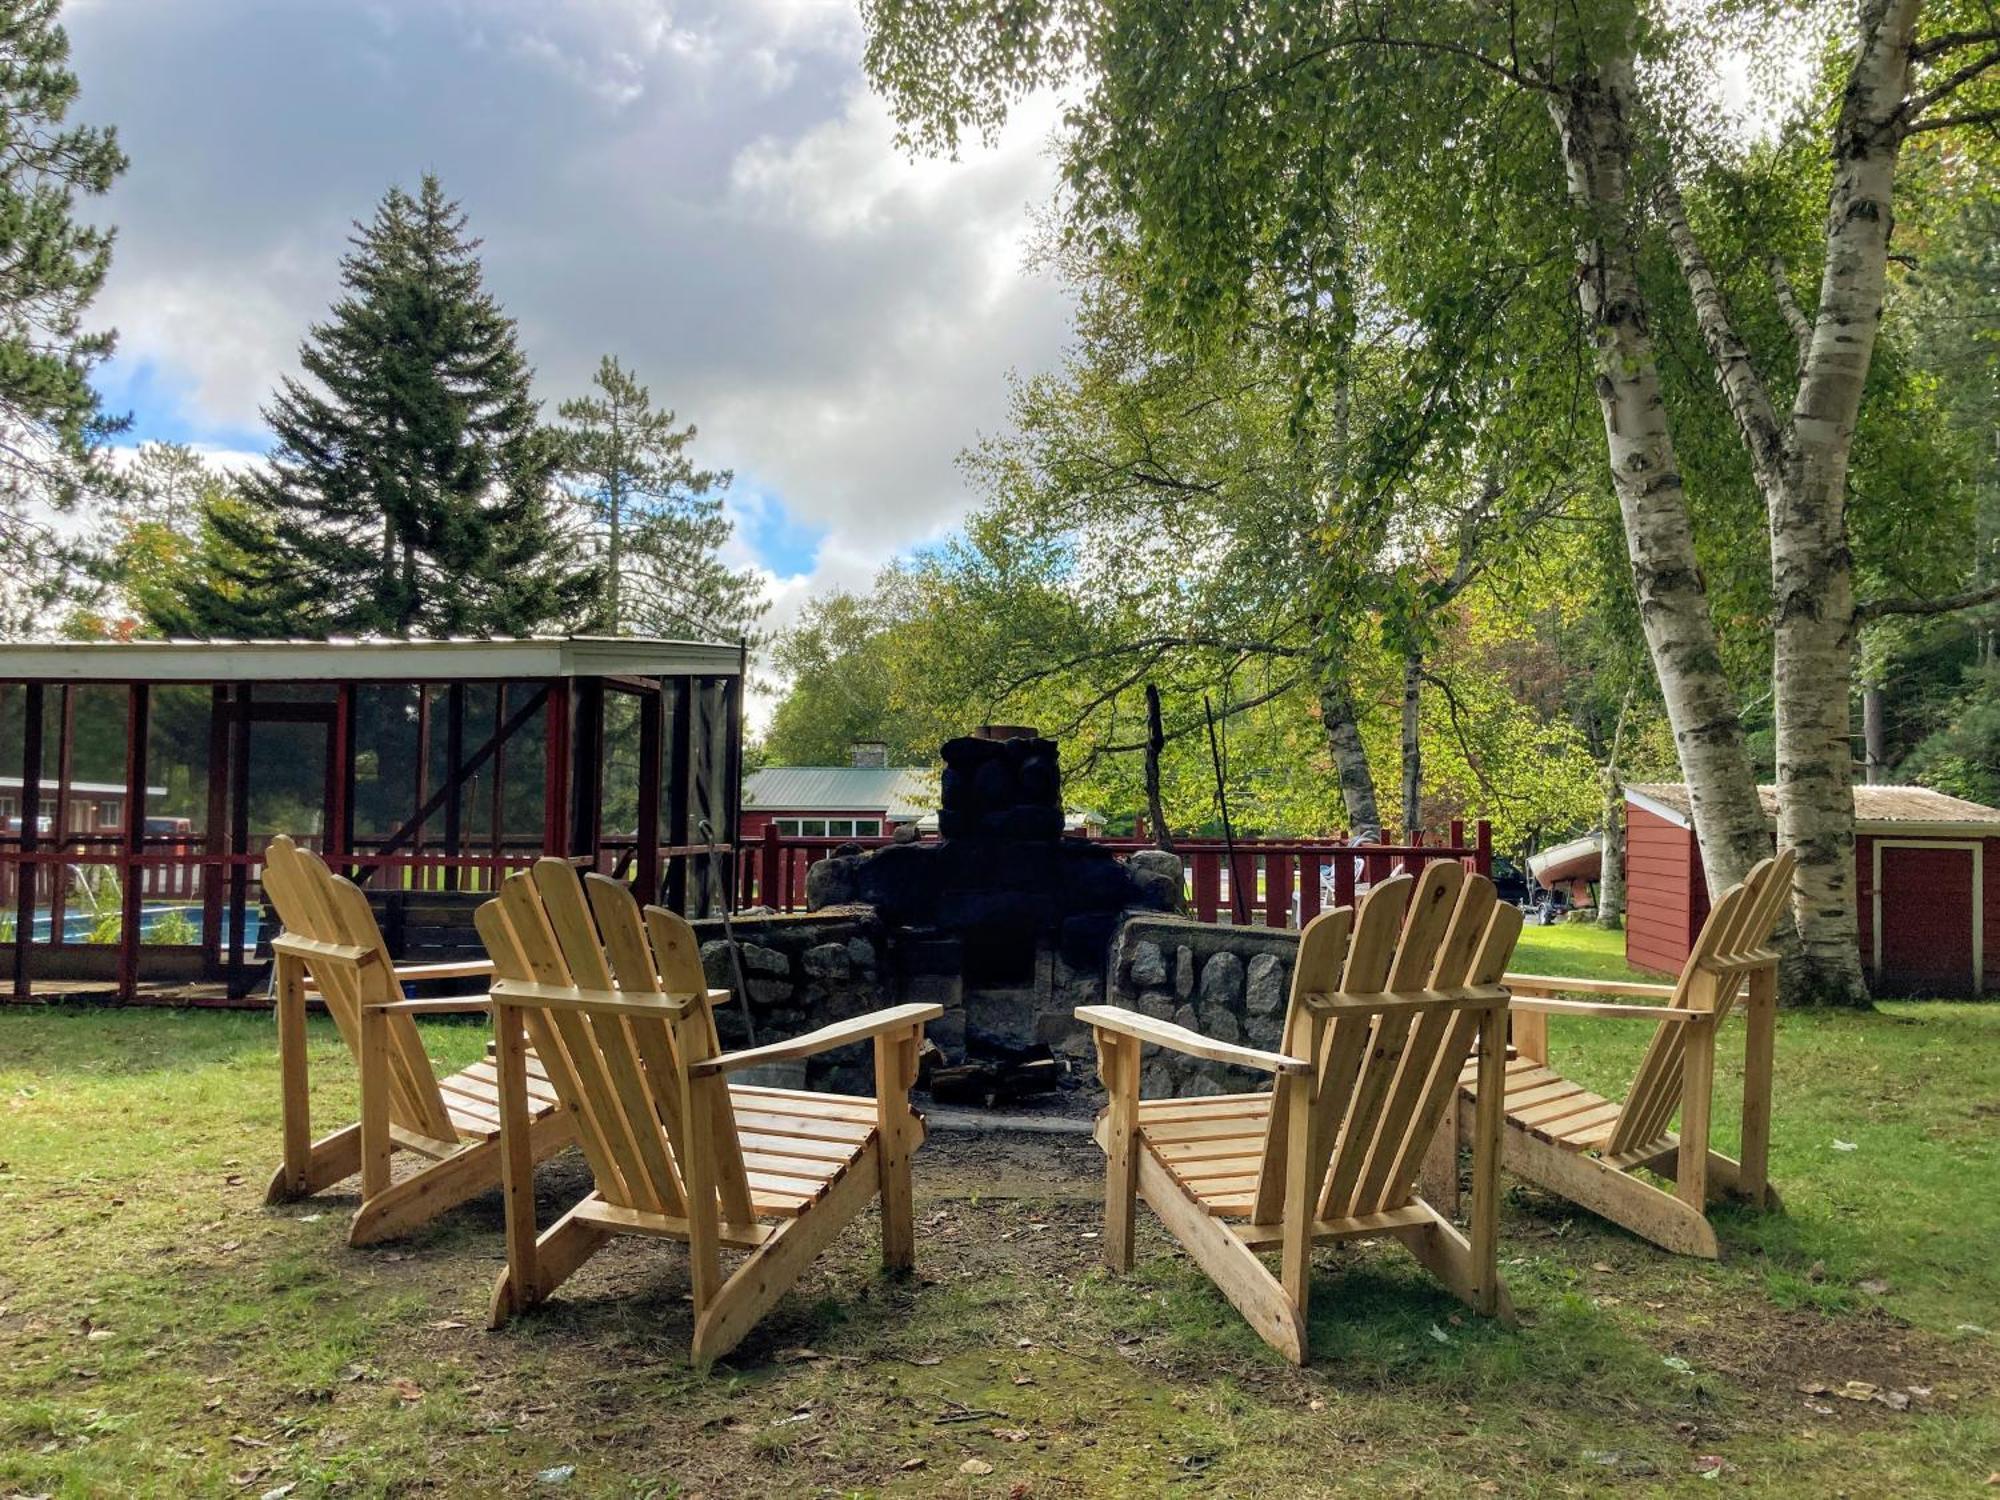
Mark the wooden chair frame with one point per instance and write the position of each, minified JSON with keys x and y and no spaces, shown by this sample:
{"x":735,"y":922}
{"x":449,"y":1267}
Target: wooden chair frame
{"x":622,"y":1021}
{"x":1375,"y":1034}
{"x":332,"y":947}
{"x":1588,"y":1149}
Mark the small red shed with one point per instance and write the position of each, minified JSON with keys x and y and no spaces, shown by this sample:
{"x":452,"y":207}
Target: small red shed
{"x":1925,"y":912}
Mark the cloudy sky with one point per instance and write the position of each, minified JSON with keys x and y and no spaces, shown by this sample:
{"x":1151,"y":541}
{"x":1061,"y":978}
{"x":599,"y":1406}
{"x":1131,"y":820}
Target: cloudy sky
{"x":706,"y":189}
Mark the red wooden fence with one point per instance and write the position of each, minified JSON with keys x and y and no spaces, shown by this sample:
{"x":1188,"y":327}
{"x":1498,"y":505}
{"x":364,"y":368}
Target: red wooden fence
{"x":1274,"y":882}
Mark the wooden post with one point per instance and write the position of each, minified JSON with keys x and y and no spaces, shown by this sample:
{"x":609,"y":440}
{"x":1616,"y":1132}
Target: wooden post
{"x":1119,"y":1060}
{"x":895,"y":1072}
{"x":376,"y":1144}
{"x":1489,"y":1122}
{"x":65,"y":755}
{"x":773,"y":872}
{"x":454,"y":758}
{"x":239,"y":839}
{"x":215,"y":832}
{"x":1760,"y":1022}
{"x":423,"y":770}
{"x":680,"y":789}
{"x":1697,"y":1090}
{"x":497,"y":818}
{"x":138,"y":722}
{"x":1343,"y":880}
{"x":1278,"y":890}
{"x":586,"y":818}
{"x":31,"y":837}
{"x":517,"y":1154}
{"x":291,"y":1005}
{"x":555,"y":769}
{"x":340,"y":824}
{"x":1482,"y":856}
{"x":652,"y":743}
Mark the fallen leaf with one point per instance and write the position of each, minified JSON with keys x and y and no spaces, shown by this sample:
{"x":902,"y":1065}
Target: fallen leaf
{"x":1813,"y":1387}
{"x":406,"y":1389}
{"x":1840,"y":1145}
{"x":560,"y":1474}
{"x":910,"y":1464}
{"x":1439,"y":1334}
{"x":975,"y":1466}
{"x":1894,"y":1400}
{"x":444,"y":1323}
{"x":1012,"y":1434}
{"x":247,"y":1442}
{"x":279,"y":1492}
{"x":234,"y":1179}
{"x":1676,"y":1363}
{"x":1874,"y":1286}
{"x":1599,"y":1265}
{"x":1857,"y":1390}
{"x":1024,"y":1380}
{"x":793,"y":1356}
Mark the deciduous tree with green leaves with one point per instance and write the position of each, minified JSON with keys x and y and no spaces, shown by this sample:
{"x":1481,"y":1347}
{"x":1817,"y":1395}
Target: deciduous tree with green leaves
{"x":1224,"y":138}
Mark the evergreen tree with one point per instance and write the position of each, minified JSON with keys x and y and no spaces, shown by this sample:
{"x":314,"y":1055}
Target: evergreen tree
{"x":51,"y":266}
{"x":655,"y":521}
{"x":411,"y":490}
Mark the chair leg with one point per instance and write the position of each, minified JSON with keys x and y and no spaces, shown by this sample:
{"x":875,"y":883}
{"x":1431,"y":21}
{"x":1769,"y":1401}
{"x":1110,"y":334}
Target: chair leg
{"x":1449,"y":1256}
{"x":557,"y":1255}
{"x":895,"y":1072}
{"x":327,"y":1160}
{"x":1120,"y":1067}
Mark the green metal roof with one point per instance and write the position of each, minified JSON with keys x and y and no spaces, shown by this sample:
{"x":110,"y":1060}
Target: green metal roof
{"x":897,"y":792}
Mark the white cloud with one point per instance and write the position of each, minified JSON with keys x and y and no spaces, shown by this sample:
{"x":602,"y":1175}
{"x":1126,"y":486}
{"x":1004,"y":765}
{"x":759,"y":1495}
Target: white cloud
{"x":706,"y":189}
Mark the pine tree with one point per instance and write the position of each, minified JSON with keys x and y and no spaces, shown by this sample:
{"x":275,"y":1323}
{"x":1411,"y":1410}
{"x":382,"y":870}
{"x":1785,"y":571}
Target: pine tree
{"x":655,"y":521}
{"x":411,"y":490}
{"x":51,"y":427}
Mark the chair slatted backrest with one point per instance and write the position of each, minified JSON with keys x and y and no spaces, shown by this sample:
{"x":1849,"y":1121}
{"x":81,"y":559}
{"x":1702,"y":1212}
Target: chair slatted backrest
{"x":312,"y":902}
{"x":615,"y":1005}
{"x":1388,"y":1001}
{"x":1735,"y":939}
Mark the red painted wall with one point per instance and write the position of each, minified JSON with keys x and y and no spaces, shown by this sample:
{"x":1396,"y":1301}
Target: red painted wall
{"x":1660,"y":898}
{"x":1667,"y":897}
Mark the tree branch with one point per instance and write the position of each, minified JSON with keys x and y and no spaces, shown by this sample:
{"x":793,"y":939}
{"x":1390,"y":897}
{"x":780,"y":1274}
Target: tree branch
{"x":1952,"y":122}
{"x":1749,"y":402}
{"x":1788,"y":305}
{"x":1916,"y":104}
{"x":1878,"y":609}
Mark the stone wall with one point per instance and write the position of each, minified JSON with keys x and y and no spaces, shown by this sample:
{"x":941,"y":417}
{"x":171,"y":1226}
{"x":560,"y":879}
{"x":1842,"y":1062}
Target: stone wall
{"x":802,"y":972}
{"x":1230,"y":983}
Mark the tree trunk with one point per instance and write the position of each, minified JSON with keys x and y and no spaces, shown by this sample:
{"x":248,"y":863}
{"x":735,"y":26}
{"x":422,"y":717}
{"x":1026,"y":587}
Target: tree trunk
{"x":1812,"y":579}
{"x":1611,"y":865}
{"x":1350,"y":760}
{"x":1413,"y":747}
{"x":1591,"y":114}
{"x":1873,"y":736}
{"x":1156,"y":741}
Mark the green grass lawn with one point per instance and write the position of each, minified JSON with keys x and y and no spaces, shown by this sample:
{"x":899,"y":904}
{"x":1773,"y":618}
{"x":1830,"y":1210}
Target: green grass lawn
{"x":162,"y":1331}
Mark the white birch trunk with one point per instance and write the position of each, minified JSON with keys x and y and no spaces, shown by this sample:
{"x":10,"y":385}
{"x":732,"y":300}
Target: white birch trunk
{"x":1350,"y":760}
{"x":1592,"y":115}
{"x":1812,"y":578}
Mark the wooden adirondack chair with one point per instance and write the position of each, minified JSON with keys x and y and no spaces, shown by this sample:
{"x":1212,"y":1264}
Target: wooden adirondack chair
{"x":620,"y":1018}
{"x":1384,"y":1007}
{"x":331,"y":944}
{"x":1573,"y":1142}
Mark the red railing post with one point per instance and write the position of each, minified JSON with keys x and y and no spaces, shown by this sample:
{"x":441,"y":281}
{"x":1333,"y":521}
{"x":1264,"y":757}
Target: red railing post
{"x":1207,"y":882}
{"x":1483,"y":850}
{"x":768,"y":892}
{"x":1277,"y":890}
{"x":1343,"y":880}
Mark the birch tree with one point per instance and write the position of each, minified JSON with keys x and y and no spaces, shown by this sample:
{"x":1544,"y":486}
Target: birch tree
{"x":1223,"y":133}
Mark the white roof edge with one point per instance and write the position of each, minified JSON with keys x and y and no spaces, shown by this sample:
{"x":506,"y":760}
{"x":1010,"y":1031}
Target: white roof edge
{"x":368,"y":659}
{"x":1656,"y":807}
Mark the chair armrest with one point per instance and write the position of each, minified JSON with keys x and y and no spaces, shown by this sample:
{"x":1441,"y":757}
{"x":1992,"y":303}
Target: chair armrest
{"x":465,"y":968}
{"x":839,"y":1034}
{"x":1560,"y":984}
{"x":303,"y":947}
{"x":442,"y":1005}
{"x":1605,"y":1008}
{"x":1191,"y":1043}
